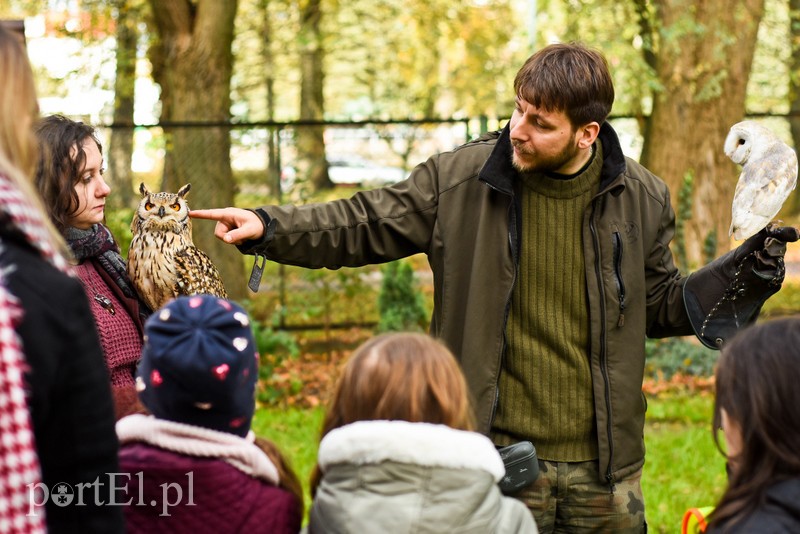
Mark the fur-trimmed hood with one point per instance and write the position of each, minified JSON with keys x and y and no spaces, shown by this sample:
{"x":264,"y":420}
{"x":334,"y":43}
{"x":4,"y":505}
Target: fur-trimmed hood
{"x":401,"y":477}
{"x":373,"y":442}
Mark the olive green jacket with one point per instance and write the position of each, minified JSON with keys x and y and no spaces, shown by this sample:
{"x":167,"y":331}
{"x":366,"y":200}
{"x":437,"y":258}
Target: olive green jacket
{"x":461,"y":208}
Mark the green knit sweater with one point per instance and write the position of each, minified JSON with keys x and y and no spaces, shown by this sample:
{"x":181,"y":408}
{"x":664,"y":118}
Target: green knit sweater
{"x":545,"y":382}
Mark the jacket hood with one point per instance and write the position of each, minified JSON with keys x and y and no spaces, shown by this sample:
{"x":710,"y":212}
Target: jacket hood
{"x":499,"y":172}
{"x":424,"y":444}
{"x":400,"y":477}
{"x":787,"y":496}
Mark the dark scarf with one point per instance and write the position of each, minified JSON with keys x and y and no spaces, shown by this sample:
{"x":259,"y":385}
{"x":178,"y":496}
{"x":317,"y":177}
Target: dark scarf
{"x":97,"y":242}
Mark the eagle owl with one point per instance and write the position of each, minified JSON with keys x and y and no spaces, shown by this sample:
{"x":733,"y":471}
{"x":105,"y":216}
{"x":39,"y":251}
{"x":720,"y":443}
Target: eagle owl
{"x":163,"y":262}
{"x":769,"y":174}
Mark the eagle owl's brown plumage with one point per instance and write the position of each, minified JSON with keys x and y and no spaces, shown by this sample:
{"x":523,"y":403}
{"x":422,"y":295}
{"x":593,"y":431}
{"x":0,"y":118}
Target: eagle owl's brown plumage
{"x":163,"y":262}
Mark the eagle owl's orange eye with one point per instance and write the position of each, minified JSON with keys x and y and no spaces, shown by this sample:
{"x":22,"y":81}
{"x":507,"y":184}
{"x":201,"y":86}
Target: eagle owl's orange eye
{"x":148,"y":206}
{"x":176,"y":206}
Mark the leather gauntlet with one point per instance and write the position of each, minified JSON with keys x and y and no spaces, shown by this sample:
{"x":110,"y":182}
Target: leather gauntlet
{"x":728,"y":293}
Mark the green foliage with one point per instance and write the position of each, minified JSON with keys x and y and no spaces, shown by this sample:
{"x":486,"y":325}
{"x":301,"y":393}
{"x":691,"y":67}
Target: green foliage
{"x":784,"y":302}
{"x":400,"y":303}
{"x":667,"y":357}
{"x":681,"y":408}
{"x":332,"y":292}
{"x":119,"y":222}
{"x":772,"y":61}
{"x":274,"y":346}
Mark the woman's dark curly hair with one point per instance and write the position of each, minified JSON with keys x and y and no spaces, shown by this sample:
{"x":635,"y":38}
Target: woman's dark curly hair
{"x":61,"y":160}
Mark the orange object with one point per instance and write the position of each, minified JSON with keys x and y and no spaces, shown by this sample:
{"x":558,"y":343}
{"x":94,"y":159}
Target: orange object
{"x":694,"y":520}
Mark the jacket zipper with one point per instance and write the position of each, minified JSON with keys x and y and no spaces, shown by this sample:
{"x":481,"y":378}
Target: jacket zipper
{"x":603,"y":348}
{"x":512,"y":231}
{"x":617,"y":242}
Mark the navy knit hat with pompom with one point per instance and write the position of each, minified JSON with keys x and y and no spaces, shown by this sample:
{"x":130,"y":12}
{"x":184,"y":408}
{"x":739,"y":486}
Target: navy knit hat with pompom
{"x":199,"y":364}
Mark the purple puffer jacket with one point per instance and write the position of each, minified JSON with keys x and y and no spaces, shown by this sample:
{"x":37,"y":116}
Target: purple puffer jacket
{"x":171,"y":492}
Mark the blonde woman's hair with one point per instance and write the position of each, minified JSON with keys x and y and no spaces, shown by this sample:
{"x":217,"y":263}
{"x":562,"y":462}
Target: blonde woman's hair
{"x":400,"y":376}
{"x":287,"y":475}
{"x":19,"y":110}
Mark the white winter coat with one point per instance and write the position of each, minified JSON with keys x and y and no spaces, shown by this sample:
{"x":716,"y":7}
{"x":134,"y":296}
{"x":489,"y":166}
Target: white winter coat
{"x":399,"y":477}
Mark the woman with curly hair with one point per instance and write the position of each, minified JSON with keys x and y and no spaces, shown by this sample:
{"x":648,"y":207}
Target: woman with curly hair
{"x":70,"y":180}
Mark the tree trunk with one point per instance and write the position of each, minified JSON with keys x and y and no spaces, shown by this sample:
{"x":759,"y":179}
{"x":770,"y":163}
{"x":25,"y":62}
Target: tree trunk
{"x":647,"y":32}
{"x":312,"y":164}
{"x":273,"y":137}
{"x":193,"y":63}
{"x":705,"y":53}
{"x":120,"y":142}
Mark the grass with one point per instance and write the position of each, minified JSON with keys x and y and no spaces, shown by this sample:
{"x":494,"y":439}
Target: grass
{"x":296,"y":433}
{"x":683,"y":468}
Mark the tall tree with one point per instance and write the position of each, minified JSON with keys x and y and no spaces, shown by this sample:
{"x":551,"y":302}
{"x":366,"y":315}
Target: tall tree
{"x":192,"y":62}
{"x":703,"y":56}
{"x":273,"y":139}
{"x":120,"y":143}
{"x":310,"y":139}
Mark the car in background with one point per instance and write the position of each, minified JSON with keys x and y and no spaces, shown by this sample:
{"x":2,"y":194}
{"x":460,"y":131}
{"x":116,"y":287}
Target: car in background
{"x":362,"y":172}
{"x":351,"y":172}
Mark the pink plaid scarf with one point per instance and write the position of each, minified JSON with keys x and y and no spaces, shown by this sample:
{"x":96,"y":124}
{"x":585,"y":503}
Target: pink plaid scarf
{"x":19,"y":464}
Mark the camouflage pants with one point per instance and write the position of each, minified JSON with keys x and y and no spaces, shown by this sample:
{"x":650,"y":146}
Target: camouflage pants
{"x":569,"y":497}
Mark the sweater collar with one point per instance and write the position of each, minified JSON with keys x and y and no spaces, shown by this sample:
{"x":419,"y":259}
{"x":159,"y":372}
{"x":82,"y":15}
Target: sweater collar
{"x":425,"y":444}
{"x":500,"y":174}
{"x":563,"y":187}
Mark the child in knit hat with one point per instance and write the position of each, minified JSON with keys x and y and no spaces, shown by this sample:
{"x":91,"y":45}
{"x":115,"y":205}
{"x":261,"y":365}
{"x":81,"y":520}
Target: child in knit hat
{"x":193,"y":465}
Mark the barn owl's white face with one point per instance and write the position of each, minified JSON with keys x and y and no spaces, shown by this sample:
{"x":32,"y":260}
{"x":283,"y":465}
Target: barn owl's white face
{"x":738,"y":145}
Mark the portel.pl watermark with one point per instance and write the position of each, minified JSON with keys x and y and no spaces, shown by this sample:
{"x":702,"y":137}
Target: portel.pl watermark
{"x":83,"y":494}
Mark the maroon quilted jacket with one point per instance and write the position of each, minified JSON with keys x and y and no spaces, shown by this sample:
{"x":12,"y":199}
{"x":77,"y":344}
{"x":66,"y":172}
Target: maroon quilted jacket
{"x":171,"y":492}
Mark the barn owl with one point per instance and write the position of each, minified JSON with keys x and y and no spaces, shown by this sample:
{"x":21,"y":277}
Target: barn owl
{"x":163,"y":262}
{"x":769,"y":174}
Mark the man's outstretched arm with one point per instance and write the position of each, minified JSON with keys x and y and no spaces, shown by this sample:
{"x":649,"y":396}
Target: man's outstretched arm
{"x":234,"y":225}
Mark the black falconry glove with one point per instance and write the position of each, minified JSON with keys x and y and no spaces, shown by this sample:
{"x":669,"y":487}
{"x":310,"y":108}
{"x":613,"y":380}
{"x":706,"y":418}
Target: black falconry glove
{"x":728,"y":293}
